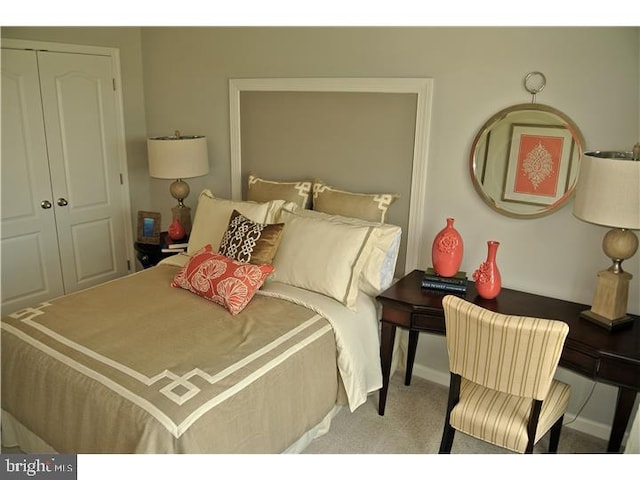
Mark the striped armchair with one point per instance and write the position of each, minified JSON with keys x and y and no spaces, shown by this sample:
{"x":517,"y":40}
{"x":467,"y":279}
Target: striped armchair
{"x":502,"y":389}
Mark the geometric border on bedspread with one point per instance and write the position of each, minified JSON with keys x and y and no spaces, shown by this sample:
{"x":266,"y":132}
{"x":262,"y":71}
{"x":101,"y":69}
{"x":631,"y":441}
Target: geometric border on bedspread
{"x":181,"y":382}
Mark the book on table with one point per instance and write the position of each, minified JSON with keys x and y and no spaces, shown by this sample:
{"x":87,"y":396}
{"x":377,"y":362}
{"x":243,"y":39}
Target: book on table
{"x":459,"y":278}
{"x":445,"y":287}
{"x":455,"y":283}
{"x":173,"y":250}
{"x":178,"y":246}
{"x":172,"y":246}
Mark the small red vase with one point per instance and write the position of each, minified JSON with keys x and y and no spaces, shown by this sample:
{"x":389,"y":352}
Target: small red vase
{"x":487,"y":276}
{"x":447,"y":250}
{"x":176,"y":231}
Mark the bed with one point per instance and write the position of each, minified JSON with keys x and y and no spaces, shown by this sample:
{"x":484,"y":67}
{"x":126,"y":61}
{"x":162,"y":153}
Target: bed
{"x":249,"y":342}
{"x":152,"y":363}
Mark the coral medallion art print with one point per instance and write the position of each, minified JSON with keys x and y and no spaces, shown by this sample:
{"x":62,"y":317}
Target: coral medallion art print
{"x":538,"y":164}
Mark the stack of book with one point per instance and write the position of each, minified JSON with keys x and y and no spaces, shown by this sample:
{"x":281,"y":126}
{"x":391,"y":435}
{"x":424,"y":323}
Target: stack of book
{"x":170,"y":246}
{"x":455,"y":284}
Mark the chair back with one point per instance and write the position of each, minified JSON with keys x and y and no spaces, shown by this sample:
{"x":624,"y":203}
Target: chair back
{"x":512,"y":354}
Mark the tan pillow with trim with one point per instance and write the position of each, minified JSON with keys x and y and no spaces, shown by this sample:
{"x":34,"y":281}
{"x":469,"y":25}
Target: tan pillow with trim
{"x":370,"y":207}
{"x":261,"y":190}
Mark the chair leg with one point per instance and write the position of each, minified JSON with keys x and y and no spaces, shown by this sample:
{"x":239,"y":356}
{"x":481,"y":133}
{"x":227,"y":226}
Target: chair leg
{"x":447,"y":439}
{"x":454,"y":396}
{"x":532,"y":425}
{"x":554,"y":437}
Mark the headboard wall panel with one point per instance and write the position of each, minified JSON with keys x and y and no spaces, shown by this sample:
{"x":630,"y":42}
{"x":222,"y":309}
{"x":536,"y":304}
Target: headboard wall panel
{"x":361,"y":142}
{"x":337,"y":134}
{"x":360,"y":135}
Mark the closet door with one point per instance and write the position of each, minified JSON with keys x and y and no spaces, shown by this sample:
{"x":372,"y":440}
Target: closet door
{"x":80,"y":121}
{"x":31,"y":270}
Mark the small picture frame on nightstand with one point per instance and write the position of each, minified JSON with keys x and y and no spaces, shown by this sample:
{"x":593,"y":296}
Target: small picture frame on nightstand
{"x":149,"y":228}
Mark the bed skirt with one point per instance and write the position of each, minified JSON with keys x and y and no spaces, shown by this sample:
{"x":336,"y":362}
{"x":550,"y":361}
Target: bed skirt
{"x":16,"y":435}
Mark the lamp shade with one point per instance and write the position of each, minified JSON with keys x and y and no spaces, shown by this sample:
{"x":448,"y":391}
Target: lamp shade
{"x":608,"y":190}
{"x":177,"y":156}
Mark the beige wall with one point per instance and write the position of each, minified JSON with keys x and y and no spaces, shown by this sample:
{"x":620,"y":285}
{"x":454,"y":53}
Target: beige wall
{"x":592,"y":76}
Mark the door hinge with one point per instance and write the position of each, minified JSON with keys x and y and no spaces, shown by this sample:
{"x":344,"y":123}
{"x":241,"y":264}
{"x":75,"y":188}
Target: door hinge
{"x":121,"y":180}
{"x":114,"y":84}
{"x":129,"y":265}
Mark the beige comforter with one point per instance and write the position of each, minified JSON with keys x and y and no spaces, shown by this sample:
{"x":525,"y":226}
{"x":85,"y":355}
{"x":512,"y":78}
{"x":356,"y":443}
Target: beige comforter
{"x":137,"y":366}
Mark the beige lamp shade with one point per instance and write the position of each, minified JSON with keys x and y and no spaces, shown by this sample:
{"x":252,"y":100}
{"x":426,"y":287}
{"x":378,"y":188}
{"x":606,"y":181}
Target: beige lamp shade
{"x":177,"y":156}
{"x":608,"y":190}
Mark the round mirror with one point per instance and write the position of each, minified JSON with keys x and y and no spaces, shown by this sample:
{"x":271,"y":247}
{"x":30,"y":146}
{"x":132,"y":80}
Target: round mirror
{"x":525,"y":160}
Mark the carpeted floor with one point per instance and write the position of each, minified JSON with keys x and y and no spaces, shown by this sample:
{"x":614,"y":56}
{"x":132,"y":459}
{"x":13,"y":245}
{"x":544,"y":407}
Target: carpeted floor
{"x":412,"y":424}
{"x":413,"y":421}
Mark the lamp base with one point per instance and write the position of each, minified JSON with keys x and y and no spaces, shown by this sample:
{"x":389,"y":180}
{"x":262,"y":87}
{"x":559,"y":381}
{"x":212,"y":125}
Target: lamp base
{"x":612,"y":325}
{"x":183,"y":214}
{"x":609,"y":308}
{"x":179,"y":190}
{"x":612,"y":293}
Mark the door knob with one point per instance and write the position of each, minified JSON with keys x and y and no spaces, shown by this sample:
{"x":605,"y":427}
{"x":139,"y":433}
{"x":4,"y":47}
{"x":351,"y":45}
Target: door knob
{"x":45,"y":204}
{"x":62,"y":202}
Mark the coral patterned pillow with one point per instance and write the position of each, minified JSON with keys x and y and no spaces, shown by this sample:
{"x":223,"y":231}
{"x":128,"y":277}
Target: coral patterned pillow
{"x":222,"y":280}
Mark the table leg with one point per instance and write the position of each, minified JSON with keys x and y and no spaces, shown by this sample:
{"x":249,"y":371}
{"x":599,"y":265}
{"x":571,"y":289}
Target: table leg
{"x":387,"y":338}
{"x":411,"y":355}
{"x":624,"y":404}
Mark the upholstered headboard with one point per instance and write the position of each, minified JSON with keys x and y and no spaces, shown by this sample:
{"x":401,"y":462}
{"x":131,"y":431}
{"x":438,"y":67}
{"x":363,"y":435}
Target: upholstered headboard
{"x":366,"y":135}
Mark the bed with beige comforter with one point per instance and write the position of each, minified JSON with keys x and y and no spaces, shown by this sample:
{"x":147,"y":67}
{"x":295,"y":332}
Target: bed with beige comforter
{"x":137,"y":366}
{"x":200,"y":354}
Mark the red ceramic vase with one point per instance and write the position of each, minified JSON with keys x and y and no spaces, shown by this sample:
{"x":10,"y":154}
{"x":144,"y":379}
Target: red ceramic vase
{"x":487,"y":276}
{"x":176,"y":231}
{"x":446,"y":251}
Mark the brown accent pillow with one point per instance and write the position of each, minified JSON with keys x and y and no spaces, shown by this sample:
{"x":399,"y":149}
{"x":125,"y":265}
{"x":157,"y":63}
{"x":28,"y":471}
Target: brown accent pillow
{"x":250,"y":242}
{"x":261,"y":190}
{"x":369,"y":207}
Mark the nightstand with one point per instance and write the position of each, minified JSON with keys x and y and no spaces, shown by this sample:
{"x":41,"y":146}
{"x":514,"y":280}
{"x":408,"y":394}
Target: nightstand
{"x":149,"y":255}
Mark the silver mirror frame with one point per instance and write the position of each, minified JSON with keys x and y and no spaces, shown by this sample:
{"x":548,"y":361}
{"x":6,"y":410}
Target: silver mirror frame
{"x":505,"y":119}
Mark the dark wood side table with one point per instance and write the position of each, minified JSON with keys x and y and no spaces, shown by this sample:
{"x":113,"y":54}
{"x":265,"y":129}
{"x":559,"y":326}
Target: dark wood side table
{"x":149,"y":255}
{"x":589,"y":350}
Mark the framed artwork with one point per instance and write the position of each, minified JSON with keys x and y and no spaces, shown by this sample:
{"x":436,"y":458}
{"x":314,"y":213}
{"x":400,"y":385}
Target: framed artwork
{"x":538,"y":164}
{"x":149,"y":227}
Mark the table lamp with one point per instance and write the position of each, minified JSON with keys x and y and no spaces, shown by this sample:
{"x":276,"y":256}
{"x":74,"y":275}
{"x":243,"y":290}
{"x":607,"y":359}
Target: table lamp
{"x":177,"y":157}
{"x":608,"y":193}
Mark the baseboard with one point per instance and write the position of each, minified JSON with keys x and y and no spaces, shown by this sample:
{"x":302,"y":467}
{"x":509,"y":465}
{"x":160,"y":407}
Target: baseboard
{"x":435,"y":376}
{"x":589,"y":427}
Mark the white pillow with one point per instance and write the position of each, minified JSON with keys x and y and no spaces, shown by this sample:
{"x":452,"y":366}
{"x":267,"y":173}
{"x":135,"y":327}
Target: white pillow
{"x":212,"y":218}
{"x":379,"y":268}
{"x":323,"y":256}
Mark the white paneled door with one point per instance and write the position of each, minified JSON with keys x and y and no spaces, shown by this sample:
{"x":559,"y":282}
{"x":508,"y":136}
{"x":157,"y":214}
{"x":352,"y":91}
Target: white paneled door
{"x":63,"y":214}
{"x":30,"y":262}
